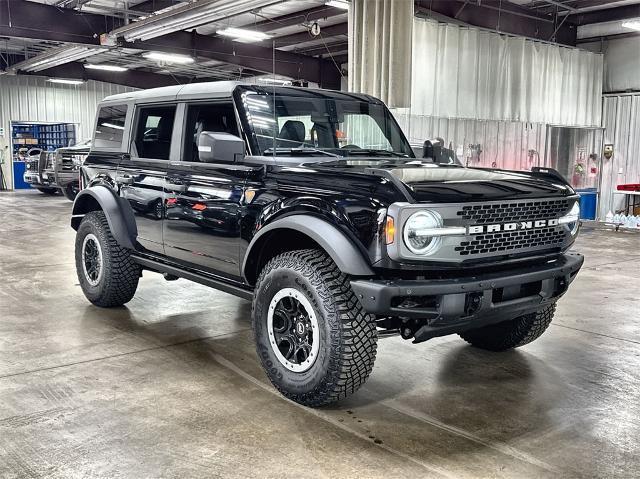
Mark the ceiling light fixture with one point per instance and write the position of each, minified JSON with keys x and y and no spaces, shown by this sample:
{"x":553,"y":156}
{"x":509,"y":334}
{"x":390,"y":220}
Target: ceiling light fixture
{"x":190,"y":15}
{"x":632,"y":24}
{"x":342,"y":4}
{"x":65,"y":81}
{"x":169,"y":58}
{"x":105,"y":67}
{"x":243,"y":35}
{"x":54,"y":57}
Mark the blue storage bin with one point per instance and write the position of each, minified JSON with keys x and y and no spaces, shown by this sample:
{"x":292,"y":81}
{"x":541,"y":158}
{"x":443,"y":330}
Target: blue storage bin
{"x":588,"y":203}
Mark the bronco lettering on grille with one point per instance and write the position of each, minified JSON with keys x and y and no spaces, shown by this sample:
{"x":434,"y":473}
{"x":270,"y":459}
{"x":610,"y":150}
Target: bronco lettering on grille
{"x":521,"y":225}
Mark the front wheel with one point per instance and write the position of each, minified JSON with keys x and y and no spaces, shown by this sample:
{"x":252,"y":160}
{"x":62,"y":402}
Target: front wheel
{"x":107,"y":274}
{"x":71,"y":191}
{"x":513,"y":333}
{"x":315,"y":342}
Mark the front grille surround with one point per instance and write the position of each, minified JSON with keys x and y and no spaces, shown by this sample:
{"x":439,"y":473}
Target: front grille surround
{"x":517,"y":231}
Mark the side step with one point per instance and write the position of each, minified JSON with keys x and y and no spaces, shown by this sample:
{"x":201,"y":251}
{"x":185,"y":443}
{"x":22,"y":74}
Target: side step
{"x":201,"y":278}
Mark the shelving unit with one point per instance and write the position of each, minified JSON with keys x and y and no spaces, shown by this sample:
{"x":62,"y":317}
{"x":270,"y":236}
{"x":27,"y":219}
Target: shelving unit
{"x":45,"y":136}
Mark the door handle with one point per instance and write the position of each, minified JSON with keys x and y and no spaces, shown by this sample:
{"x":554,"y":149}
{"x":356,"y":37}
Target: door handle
{"x":124,"y":179}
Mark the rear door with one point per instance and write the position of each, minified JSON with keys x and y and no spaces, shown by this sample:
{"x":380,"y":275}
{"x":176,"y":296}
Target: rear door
{"x":204,"y":200}
{"x":141,"y":176}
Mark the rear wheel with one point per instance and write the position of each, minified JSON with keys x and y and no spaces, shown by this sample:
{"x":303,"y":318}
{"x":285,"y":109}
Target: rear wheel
{"x":107,"y":274}
{"x":48,"y":191}
{"x":71,"y":191}
{"x":513,"y":333}
{"x":315,"y":342}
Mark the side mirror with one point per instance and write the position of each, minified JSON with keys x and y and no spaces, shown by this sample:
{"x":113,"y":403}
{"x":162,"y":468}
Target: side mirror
{"x":223,"y":147}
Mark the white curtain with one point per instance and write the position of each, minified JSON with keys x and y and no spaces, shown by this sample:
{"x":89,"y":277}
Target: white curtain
{"x":462,"y":72}
{"x":380,"y":42}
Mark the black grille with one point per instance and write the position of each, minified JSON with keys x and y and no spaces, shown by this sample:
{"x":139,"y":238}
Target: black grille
{"x":507,"y":241}
{"x":514,"y":212}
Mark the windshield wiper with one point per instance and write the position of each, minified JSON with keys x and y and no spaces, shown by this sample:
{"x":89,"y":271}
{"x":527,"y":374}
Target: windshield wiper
{"x":299,"y":151}
{"x":372,"y":152}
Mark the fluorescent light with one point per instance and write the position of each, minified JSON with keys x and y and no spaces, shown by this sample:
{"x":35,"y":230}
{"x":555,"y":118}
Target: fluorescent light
{"x":112,"y":125}
{"x":169,"y":57}
{"x":186,"y":16}
{"x":632,"y":24}
{"x":242,"y":34}
{"x":105,"y":67}
{"x":275,"y":81}
{"x":65,"y":81}
{"x":344,"y":5}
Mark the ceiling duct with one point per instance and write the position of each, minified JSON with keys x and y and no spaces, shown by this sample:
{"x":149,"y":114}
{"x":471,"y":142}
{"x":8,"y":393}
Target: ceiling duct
{"x":55,"y":57}
{"x":191,"y":15}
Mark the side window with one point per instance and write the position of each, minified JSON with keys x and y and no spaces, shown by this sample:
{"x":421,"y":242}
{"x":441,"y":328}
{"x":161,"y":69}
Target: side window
{"x":110,"y":126}
{"x":217,"y":118}
{"x":153,"y":132}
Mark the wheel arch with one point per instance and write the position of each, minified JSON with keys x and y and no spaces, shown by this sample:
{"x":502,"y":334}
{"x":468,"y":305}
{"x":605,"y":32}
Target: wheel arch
{"x":119,"y":216}
{"x":302,"y":232}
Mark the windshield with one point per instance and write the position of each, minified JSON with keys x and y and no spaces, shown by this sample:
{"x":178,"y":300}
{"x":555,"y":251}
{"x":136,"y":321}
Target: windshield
{"x":319,"y":125}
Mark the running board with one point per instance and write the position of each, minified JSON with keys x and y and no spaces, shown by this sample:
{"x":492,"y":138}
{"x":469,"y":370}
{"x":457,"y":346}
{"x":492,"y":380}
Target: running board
{"x":199,"y":278}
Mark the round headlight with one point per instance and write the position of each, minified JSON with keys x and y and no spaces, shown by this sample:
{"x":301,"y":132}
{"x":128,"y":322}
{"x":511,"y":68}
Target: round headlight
{"x":415,"y":232}
{"x":574,"y":214}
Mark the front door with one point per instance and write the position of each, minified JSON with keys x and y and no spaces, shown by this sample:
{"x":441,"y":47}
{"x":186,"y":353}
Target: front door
{"x":204,"y":200}
{"x":141,"y":177}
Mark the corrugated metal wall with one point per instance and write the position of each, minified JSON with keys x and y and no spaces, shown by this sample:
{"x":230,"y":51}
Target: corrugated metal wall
{"x":505,"y":144}
{"x":32,"y":98}
{"x":621,"y":120}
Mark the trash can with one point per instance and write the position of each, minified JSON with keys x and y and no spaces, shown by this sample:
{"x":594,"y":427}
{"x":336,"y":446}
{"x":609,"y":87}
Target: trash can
{"x":588,"y":203}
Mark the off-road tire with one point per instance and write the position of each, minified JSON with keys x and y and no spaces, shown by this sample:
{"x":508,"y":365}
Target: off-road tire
{"x":120,"y":273}
{"x":48,"y":191}
{"x":348,"y":336}
{"x":513,"y":333}
{"x":70,"y":191}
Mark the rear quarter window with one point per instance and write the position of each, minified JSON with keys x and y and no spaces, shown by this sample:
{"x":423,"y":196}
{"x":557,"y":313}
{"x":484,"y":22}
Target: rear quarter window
{"x":110,"y":126}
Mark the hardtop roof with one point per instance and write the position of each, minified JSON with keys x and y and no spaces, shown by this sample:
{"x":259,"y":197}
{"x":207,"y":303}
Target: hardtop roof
{"x":223,"y":89}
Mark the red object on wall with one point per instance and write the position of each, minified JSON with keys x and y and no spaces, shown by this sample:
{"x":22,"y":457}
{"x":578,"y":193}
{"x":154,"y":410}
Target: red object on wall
{"x":629,"y":187}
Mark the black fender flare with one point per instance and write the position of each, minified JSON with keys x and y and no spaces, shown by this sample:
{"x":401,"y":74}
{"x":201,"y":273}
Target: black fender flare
{"x":122,"y":222}
{"x":349,"y":259}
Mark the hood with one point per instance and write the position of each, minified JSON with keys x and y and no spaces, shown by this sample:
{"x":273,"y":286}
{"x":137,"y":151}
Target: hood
{"x":426,"y":182}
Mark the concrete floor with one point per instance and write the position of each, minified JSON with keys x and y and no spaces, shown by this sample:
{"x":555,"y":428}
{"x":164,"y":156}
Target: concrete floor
{"x":170,"y":387}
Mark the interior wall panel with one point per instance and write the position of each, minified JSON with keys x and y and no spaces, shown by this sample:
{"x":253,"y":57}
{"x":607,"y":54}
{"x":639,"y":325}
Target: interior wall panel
{"x":32,"y":98}
{"x":621,"y":120}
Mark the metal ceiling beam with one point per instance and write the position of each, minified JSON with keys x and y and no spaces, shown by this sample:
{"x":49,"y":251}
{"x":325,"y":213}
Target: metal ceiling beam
{"x":598,"y":5}
{"x":297,"y":18}
{"x":336,"y":47}
{"x":501,"y":17}
{"x":302,"y":37}
{"x":132,"y":78}
{"x":23,"y":19}
{"x":600,"y":16}
{"x":247,"y":55}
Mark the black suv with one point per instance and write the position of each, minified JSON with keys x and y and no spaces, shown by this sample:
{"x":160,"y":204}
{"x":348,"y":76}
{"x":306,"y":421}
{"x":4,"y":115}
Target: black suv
{"x":313,"y":205}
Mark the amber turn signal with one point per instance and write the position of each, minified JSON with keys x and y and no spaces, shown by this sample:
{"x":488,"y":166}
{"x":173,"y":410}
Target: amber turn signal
{"x":389,"y":230}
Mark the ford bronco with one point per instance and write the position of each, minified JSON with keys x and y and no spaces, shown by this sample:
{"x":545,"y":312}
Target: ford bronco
{"x":312,"y":204}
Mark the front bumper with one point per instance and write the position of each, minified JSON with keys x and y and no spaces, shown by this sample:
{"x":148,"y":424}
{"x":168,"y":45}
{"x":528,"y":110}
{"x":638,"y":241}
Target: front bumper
{"x":447,"y":306}
{"x":46,"y":178}
{"x":65,"y":177}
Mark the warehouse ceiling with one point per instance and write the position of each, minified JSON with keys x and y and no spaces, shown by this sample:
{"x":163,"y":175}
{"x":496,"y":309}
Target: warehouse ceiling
{"x":66,"y":38}
{"x":61,"y":38}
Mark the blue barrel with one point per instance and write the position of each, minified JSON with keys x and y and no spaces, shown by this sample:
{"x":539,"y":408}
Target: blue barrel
{"x":588,"y":203}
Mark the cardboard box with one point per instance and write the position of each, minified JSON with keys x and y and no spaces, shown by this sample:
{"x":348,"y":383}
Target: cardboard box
{"x":636,"y":211}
